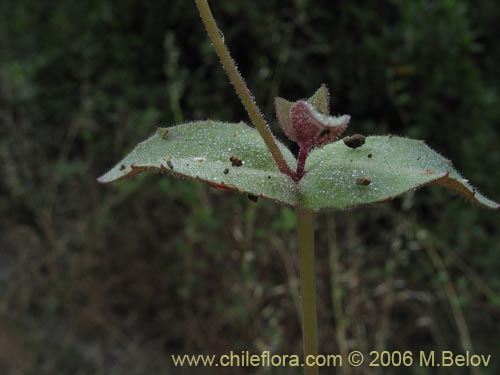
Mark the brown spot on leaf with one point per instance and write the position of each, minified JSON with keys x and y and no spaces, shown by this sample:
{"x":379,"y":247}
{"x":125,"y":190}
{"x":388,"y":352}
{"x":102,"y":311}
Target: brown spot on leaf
{"x":429,"y":172}
{"x":164,"y":134}
{"x":235,"y":162}
{"x":122,"y":167}
{"x":226,"y":171}
{"x":222,"y":186}
{"x":364,"y":181}
{"x":355,"y":141}
{"x":235,"y":135}
{"x":169,"y":162}
{"x":370,"y":156}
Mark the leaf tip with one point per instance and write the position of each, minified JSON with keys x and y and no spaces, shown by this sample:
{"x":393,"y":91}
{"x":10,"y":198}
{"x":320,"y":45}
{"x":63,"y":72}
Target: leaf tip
{"x":102,"y":179}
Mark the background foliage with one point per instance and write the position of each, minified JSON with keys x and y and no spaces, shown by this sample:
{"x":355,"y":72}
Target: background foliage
{"x":110,"y":280}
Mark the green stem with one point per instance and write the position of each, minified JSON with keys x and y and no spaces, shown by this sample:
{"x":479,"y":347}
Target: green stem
{"x":305,"y":227}
{"x":240,"y":86}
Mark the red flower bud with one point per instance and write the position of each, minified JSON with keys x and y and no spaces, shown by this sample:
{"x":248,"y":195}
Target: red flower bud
{"x":311,"y":128}
{"x":307,"y":122}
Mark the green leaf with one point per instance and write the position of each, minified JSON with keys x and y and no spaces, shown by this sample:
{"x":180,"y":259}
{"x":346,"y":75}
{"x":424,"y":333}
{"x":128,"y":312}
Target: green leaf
{"x":321,"y":100}
{"x":233,"y":157}
{"x":392,"y":165}
{"x":211,"y":152}
{"x":282,"y":109}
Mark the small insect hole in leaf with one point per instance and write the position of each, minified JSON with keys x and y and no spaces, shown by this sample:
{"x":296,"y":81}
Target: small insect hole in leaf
{"x":122,"y":167}
{"x":226,"y":171}
{"x":370,"y":156}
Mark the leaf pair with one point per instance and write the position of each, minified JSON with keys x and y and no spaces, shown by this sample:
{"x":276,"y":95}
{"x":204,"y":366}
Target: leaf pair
{"x":234,"y":157}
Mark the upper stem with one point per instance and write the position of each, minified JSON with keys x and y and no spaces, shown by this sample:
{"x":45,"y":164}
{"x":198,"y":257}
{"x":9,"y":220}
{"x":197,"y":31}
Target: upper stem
{"x":305,"y":228}
{"x":240,"y":86}
{"x":301,"y":162}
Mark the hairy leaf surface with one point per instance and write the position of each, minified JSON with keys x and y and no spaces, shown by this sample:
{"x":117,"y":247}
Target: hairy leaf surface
{"x":231,"y":157}
{"x":384,"y":167}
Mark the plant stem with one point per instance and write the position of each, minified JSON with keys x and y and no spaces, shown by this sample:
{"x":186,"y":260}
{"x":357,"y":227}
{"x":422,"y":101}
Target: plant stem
{"x":301,"y":163}
{"x":239,"y":85}
{"x":305,"y":228}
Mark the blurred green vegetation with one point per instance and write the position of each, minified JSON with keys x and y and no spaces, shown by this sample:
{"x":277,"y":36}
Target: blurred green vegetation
{"x":111,"y":280}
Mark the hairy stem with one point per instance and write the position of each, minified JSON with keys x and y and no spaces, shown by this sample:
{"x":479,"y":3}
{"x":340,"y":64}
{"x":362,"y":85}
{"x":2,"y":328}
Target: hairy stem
{"x":305,"y":227}
{"x":240,"y":86}
{"x":301,"y":163}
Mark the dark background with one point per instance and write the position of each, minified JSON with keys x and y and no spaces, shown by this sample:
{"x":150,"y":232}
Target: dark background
{"x":113,"y":279}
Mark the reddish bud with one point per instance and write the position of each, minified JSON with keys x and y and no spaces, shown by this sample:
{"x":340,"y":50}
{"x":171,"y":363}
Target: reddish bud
{"x":311,"y":128}
{"x":307,"y":121}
